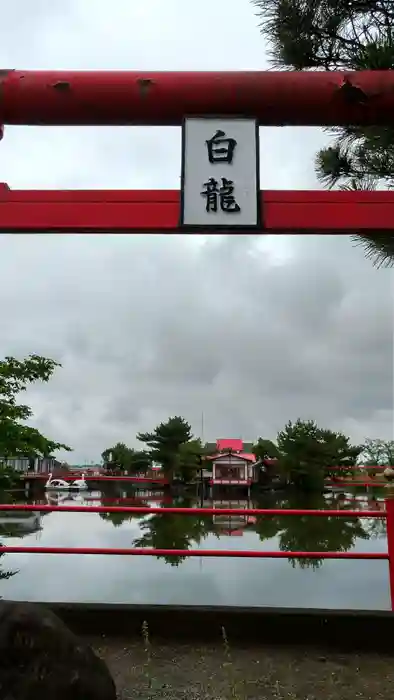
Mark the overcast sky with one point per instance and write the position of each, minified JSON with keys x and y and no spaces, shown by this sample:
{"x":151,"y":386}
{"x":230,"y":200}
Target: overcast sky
{"x":250,"y":332}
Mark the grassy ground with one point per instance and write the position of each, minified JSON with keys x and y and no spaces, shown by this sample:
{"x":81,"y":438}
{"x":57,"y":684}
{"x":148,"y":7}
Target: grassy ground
{"x":184,"y":672}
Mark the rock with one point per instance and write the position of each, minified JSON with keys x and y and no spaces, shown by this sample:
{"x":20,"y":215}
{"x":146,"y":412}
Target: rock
{"x":41,"y":659}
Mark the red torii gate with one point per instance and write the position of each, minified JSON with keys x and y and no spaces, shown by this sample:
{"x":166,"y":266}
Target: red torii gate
{"x":160,"y":99}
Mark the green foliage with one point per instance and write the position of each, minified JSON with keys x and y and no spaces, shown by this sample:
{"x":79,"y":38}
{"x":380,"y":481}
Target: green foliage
{"x":342,"y":35}
{"x":379,"y":247}
{"x":309,"y":453}
{"x":172,"y":445}
{"x":190,"y":459}
{"x":378,"y":452}
{"x":15,"y":437}
{"x":9,"y":477}
{"x":265,"y":449}
{"x":169,"y":435}
{"x":122,"y":458}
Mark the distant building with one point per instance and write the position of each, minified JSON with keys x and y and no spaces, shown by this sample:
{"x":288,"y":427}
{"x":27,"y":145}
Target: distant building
{"x":232,"y":464}
{"x":86,"y":467}
{"x":36,"y":465}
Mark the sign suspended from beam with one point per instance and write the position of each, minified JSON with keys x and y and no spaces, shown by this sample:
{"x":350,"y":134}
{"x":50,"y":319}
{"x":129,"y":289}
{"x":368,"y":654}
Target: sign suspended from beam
{"x":284,"y":98}
{"x":220,"y":174}
{"x":72,"y":98}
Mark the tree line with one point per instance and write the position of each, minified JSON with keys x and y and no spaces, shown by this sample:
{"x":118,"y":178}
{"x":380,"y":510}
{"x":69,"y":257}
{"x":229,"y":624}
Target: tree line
{"x":303,"y":455}
{"x":171,"y":445}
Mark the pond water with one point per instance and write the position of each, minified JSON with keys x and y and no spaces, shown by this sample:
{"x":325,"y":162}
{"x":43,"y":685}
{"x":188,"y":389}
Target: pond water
{"x":346,"y":584}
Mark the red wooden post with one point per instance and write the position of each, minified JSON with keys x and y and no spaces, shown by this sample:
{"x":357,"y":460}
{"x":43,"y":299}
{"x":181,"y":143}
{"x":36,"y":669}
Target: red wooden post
{"x":390,"y":542}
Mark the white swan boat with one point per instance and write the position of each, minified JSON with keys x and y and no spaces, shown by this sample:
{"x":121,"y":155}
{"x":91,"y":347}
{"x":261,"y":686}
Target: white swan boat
{"x":61,"y":485}
{"x":79,"y":484}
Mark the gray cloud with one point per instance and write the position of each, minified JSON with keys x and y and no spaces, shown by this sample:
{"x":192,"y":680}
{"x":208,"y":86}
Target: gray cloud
{"x":251,"y":331}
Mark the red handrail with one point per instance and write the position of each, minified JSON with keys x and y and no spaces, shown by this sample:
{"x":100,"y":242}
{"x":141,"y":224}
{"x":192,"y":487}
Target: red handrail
{"x":147,"y":552}
{"x":138,"y":551}
{"x":146,"y":510}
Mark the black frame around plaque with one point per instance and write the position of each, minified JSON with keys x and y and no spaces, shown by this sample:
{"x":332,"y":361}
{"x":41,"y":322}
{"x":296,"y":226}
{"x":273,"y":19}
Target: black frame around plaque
{"x":222,"y":227}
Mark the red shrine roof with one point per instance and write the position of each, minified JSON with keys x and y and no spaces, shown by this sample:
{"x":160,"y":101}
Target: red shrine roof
{"x":229,"y":444}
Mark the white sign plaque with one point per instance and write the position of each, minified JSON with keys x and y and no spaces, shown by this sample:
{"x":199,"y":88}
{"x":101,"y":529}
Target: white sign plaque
{"x":220,"y":173}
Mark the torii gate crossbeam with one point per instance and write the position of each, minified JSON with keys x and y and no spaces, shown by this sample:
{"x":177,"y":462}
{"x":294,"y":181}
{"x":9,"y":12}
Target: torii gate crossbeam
{"x":139,"y":98}
{"x":157,"y":211}
{"x":163,"y":98}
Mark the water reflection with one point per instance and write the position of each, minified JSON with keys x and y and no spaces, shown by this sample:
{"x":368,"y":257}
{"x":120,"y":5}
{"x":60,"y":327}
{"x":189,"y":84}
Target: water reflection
{"x":293,"y":533}
{"x":16,"y":524}
{"x":4,"y":573}
{"x":175,"y":531}
{"x":313,"y":534}
{"x":199,"y":580}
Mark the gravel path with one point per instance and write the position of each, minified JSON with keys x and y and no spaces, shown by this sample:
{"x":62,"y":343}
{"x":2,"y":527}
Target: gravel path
{"x":184,"y":672}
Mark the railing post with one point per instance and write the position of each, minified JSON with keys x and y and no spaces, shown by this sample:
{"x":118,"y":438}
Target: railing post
{"x":390,"y":540}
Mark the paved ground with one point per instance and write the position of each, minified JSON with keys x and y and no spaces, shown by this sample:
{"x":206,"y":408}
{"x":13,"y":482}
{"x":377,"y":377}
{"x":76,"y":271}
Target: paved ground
{"x":183,"y":672}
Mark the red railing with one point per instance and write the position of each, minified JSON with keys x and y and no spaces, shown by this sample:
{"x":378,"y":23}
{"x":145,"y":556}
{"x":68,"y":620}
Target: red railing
{"x":339,"y":482}
{"x":227,"y":481}
{"x":245,"y":553}
{"x":388,"y":514}
{"x":146,"y":510}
